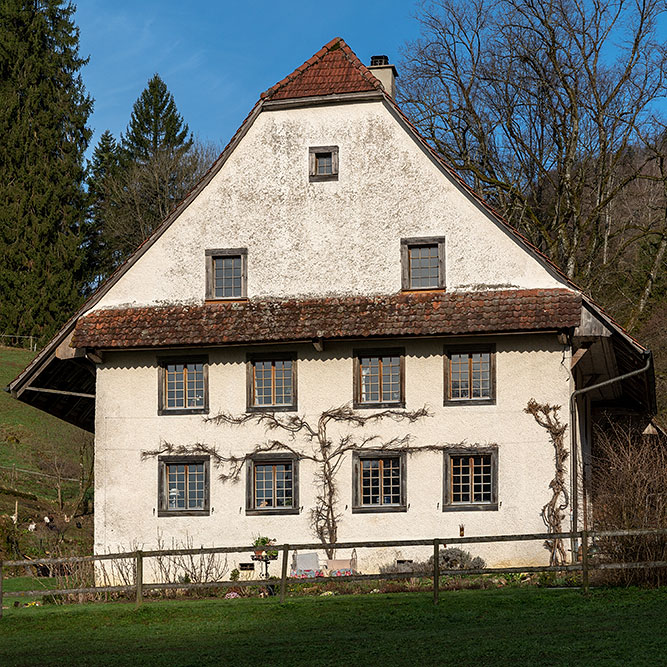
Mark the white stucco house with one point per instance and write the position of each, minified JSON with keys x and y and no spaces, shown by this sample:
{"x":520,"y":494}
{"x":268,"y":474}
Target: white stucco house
{"x":330,"y":258}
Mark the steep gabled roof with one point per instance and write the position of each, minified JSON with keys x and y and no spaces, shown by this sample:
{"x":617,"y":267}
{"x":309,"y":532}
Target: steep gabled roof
{"x":333,"y":70}
{"x":333,"y":75}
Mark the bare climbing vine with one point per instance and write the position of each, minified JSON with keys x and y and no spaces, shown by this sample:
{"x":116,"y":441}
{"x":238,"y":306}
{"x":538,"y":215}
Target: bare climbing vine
{"x":553,"y":512}
{"x":326,"y":452}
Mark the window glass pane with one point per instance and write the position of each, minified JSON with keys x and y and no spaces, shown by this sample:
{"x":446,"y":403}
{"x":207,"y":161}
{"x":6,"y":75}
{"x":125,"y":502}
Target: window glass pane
{"x":273,"y":485}
{"x":186,"y":486}
{"x":424,"y":266}
{"x":391,"y":379}
{"x":380,"y":379}
{"x":272,"y":382}
{"x":323,"y":163}
{"x":176,"y":482}
{"x":184,"y":385}
{"x":370,"y":379}
{"x":471,"y":479}
{"x":380,"y":482}
{"x":196,"y":486}
{"x":227,"y":276}
{"x":470,"y":375}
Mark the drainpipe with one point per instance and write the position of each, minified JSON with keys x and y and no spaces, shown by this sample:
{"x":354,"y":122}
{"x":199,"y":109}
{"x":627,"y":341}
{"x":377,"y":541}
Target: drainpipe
{"x":573,"y":466}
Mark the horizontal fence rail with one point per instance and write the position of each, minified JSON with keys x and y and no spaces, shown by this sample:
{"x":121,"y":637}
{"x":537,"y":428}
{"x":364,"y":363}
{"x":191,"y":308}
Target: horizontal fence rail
{"x":140,"y":586}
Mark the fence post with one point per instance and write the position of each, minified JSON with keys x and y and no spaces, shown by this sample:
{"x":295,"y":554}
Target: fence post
{"x":283,"y":574}
{"x":139,"y":576}
{"x":584,"y":560}
{"x":436,"y":570}
{"x":0,"y":589}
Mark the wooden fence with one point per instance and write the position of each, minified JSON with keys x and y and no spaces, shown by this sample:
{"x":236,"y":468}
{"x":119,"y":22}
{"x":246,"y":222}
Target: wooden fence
{"x":140,"y":586}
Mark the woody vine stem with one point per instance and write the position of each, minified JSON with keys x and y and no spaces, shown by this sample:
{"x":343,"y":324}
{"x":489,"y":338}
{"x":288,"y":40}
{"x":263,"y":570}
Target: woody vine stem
{"x":327,"y":451}
{"x":553,"y":512}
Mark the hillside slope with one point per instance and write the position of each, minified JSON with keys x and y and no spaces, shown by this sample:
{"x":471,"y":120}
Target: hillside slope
{"x":39,"y":453}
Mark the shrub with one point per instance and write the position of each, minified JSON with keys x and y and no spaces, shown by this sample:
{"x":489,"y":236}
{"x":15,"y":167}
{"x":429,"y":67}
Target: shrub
{"x":630,"y":491}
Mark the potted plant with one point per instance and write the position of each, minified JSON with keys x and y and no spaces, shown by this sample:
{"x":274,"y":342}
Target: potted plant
{"x":260,"y":544}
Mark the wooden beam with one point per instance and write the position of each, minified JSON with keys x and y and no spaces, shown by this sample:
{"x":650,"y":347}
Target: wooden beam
{"x":66,"y":351}
{"x":62,"y":392}
{"x":576,"y":357}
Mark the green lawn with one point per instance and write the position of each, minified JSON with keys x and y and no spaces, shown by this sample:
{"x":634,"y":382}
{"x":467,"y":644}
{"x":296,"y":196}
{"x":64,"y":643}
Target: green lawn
{"x":509,"y":626}
{"x":28,"y":584}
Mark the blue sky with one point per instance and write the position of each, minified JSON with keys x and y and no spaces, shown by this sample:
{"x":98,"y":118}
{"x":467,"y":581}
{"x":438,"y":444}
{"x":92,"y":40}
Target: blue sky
{"x":217,"y":57}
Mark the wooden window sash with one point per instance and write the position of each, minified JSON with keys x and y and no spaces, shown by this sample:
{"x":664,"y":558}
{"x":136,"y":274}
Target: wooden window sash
{"x":186,"y":395}
{"x":274,"y":485}
{"x":470,"y":397}
{"x":186,"y":490}
{"x":471,"y":474}
{"x":274,"y":394}
{"x":381,"y":462}
{"x":381,"y":398}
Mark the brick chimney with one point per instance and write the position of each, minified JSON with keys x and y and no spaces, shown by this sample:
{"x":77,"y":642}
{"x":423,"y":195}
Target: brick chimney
{"x":385,"y":72}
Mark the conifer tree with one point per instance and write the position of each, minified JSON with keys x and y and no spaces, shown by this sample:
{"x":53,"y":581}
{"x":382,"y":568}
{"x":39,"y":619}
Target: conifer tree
{"x":133,"y":186}
{"x":155,"y":124}
{"x":103,"y":168}
{"x":43,"y":113}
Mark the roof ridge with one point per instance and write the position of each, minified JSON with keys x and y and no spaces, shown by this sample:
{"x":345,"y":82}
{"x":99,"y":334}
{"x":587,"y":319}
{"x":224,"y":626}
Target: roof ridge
{"x":337,"y":43}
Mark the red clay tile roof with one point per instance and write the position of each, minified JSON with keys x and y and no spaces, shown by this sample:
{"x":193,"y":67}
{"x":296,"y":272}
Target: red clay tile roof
{"x":334,"y":69}
{"x":258,"y":321}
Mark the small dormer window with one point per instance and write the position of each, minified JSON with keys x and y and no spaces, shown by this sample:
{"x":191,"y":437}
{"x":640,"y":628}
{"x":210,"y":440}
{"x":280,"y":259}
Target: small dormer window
{"x":226,"y":272}
{"x":323,"y":163}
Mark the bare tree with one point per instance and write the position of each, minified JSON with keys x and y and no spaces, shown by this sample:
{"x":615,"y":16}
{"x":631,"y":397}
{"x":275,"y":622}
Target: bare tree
{"x":141,"y":195}
{"x":545,"y":108}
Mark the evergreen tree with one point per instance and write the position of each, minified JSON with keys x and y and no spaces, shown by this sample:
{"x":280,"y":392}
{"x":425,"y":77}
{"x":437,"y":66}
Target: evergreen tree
{"x":134,"y":187}
{"x":43,"y":113}
{"x":155,"y":124}
{"x":103,"y":168}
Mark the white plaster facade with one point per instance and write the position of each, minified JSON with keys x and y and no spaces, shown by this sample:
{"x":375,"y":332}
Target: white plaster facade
{"x":342,"y":236}
{"x":329,"y":238}
{"x":528,"y":366}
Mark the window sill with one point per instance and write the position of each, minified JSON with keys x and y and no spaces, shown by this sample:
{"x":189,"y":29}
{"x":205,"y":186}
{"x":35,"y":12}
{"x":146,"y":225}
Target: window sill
{"x":167,"y":513}
{"x":271,"y":408}
{"x":182,"y":411}
{"x":272,"y":511}
{"x":487,"y":507}
{"x":408,"y":290}
{"x":374,"y":406}
{"x":316,"y":178}
{"x":379,"y":509}
{"x":469,"y":401}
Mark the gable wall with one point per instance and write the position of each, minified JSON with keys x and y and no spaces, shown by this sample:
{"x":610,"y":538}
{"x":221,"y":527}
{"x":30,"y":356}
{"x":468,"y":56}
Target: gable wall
{"x":321,"y":238}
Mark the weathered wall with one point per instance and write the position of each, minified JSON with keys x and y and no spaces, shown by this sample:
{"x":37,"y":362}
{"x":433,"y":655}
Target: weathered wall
{"x":337,"y":236}
{"x":528,"y":366}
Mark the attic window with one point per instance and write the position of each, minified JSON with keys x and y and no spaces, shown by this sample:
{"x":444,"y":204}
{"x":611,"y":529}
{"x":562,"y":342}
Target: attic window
{"x":423,"y":263}
{"x":226,"y":273}
{"x":323,"y":163}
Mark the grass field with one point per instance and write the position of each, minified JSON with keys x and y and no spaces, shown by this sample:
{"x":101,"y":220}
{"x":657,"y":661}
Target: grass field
{"x":509,"y":626}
